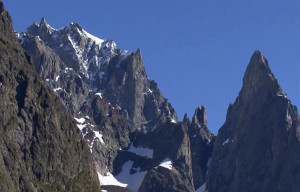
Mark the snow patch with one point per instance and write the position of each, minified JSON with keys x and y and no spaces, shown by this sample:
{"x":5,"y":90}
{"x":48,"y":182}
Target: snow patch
{"x":125,"y":53}
{"x":67,"y":69}
{"x":57,"y":89}
{"x":133,"y":181}
{"x":38,"y":37}
{"x":79,"y":54}
{"x":80,"y":120}
{"x":140,"y":151}
{"x":109,"y":46}
{"x":99,"y":136}
{"x":19,"y":35}
{"x":282,"y":95}
{"x":21,"y":38}
{"x":109,"y":179}
{"x":81,"y":127}
{"x":99,"y":94}
{"x":92,"y":37}
{"x":173,"y":121}
{"x":201,"y":188}
{"x":56,"y":78}
{"x":226,"y":142}
{"x":166,"y":163}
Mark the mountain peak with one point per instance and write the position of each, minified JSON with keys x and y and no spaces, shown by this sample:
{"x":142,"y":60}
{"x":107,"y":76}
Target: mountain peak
{"x":138,"y":52}
{"x":258,"y":58}
{"x":74,"y":25}
{"x":35,"y":23}
{"x":43,"y":21}
{"x":44,"y":28}
{"x":258,"y":76}
{"x":200,"y":116}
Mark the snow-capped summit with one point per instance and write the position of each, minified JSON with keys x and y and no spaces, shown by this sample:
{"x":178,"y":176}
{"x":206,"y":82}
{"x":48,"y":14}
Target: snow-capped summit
{"x":102,"y":67}
{"x":77,"y":48}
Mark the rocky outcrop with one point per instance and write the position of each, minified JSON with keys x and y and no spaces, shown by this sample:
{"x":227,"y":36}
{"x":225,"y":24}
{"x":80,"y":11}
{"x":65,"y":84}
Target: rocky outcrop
{"x":258,"y":147}
{"x":170,"y":142}
{"x":41,"y":149}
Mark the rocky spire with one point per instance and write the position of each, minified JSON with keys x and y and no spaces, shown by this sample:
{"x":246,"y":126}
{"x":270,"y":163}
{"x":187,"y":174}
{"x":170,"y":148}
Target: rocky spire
{"x":201,"y":140}
{"x":258,"y":77}
{"x":45,"y":26}
{"x":199,"y":124}
{"x":257,"y":147}
{"x":186,"y":120}
{"x":199,"y":117}
{"x":43,"y":22}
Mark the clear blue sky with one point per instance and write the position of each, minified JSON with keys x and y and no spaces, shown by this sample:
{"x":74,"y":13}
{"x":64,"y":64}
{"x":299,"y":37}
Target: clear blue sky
{"x":197,"y":50}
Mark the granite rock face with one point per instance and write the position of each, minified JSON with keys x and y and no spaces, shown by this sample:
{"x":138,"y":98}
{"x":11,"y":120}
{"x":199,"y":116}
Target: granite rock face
{"x":41,"y":149}
{"x":258,"y":147}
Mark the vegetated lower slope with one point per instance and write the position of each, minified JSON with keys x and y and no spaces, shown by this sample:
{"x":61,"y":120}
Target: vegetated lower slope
{"x":41,"y":149}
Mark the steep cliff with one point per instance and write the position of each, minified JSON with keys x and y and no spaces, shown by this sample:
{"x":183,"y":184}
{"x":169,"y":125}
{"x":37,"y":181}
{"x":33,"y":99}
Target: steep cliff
{"x":41,"y":149}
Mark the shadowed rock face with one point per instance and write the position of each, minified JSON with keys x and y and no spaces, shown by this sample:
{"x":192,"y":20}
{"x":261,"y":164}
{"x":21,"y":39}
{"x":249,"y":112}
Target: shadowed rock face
{"x":169,"y":141}
{"x":258,"y":147}
{"x":41,"y":149}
